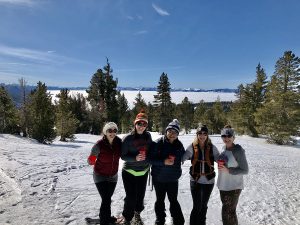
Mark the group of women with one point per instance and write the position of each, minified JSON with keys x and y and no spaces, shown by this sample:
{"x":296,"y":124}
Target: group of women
{"x":165,"y":157}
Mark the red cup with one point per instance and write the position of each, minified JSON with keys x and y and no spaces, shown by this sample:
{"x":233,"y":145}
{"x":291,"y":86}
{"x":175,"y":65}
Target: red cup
{"x":221,"y":162}
{"x":142,"y":151}
{"x":172,"y":157}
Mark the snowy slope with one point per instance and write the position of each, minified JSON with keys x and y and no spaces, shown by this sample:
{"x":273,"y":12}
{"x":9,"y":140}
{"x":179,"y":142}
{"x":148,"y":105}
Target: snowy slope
{"x":53,"y":184}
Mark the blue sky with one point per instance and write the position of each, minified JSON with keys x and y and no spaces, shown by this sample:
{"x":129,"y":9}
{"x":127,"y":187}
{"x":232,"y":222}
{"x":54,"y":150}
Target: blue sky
{"x":198,"y":43}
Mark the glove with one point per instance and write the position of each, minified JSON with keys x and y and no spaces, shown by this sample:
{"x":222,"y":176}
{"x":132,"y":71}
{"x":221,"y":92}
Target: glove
{"x":92,"y":159}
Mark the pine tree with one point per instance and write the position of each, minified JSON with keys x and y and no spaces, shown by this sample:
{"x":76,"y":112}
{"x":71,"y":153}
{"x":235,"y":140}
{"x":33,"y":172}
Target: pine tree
{"x":8,"y":113}
{"x":23,"y":109}
{"x":186,"y":114}
{"x":138,"y":104}
{"x":199,"y":114}
{"x":250,"y":99}
{"x":102,"y":95}
{"x":42,"y":115}
{"x":125,"y":120}
{"x":162,"y":104}
{"x":66,"y":122}
{"x":79,"y":108}
{"x":96,"y":92}
{"x":215,"y":117}
{"x":110,"y":94}
{"x":151,"y":114}
{"x":280,"y":115}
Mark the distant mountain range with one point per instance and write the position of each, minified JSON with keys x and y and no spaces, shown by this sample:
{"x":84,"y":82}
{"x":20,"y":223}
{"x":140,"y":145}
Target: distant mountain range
{"x":15,"y":88}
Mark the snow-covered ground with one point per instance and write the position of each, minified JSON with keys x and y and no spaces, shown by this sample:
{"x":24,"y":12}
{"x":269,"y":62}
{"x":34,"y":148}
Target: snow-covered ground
{"x":52,"y":184}
{"x":177,"y":96}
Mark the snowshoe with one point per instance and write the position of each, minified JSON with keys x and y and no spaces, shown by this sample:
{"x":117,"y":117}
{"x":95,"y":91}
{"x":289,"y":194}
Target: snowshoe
{"x":89,"y":220}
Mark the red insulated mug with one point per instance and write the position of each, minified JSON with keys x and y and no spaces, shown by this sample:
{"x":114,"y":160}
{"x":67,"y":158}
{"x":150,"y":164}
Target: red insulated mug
{"x":172,"y":157}
{"x":221,"y":162}
{"x":142,"y":151}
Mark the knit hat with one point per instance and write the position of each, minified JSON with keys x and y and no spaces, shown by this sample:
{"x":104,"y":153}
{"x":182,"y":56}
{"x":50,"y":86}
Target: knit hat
{"x":109,"y":125}
{"x":141,"y":116}
{"x":202,"y":128}
{"x":228,"y":131}
{"x":174,"y":125}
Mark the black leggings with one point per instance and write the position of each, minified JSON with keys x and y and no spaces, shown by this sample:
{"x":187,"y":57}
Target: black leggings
{"x":135,"y":188}
{"x":106,"y":190}
{"x":200,"y":195}
{"x":229,"y":203}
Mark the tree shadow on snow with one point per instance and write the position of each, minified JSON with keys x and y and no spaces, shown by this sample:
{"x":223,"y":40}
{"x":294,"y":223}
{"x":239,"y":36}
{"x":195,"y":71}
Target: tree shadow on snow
{"x":65,"y":146}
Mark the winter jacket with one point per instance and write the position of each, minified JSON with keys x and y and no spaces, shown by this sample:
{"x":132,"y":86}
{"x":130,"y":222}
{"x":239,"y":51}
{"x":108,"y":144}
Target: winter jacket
{"x":131,"y":145}
{"x":238,"y":166}
{"x":161,"y":151}
{"x":107,"y":163}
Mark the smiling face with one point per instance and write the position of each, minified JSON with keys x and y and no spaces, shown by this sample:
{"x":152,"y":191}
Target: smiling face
{"x":172,"y":135}
{"x":202,"y":136}
{"x":111,"y":134}
{"x":140,"y":126}
{"x":228,"y":140}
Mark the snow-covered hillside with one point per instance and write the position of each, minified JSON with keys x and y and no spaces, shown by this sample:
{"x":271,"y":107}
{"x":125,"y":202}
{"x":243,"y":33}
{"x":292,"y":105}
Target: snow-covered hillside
{"x":52,"y":184}
{"x":177,"y":97}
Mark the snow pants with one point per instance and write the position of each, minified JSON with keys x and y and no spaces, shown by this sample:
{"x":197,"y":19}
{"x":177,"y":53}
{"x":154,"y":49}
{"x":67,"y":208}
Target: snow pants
{"x":229,"y":203}
{"x":135,"y":188}
{"x":200,"y":194}
{"x":171,"y":189}
{"x":106,"y":190}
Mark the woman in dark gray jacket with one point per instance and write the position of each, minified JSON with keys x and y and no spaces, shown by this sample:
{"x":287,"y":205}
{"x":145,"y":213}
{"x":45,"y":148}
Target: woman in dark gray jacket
{"x":135,"y":148}
{"x":166,"y":170}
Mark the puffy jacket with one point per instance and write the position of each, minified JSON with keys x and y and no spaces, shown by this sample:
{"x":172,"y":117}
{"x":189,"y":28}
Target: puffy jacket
{"x":107,"y":163}
{"x":163,"y":148}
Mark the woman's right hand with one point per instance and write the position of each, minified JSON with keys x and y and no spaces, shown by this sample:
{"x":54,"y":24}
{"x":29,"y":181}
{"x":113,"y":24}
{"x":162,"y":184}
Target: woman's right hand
{"x":140,"y":157}
{"x":169,"y":162}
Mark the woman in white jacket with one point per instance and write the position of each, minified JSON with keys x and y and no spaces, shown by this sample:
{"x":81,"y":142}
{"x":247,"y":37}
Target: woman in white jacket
{"x":230,"y":179}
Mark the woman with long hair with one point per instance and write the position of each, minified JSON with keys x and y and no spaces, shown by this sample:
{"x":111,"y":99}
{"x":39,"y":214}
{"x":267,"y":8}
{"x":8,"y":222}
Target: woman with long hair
{"x":202,"y":154}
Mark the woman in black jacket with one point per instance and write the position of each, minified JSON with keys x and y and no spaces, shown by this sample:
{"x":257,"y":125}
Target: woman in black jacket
{"x":135,"y":148}
{"x":166,"y":170}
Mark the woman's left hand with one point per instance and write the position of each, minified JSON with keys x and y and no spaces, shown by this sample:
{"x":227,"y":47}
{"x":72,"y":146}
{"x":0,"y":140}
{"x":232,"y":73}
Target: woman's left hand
{"x":223,"y":168}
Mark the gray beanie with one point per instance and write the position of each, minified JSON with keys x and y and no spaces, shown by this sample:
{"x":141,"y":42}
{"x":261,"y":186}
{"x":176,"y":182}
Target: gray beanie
{"x":174,"y":125}
{"x":227,"y":131}
{"x":109,"y":125}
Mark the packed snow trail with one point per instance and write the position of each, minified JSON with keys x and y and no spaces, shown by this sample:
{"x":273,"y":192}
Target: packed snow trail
{"x":52,"y":184}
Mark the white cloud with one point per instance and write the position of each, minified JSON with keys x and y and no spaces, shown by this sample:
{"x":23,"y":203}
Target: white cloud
{"x":25,"y":54}
{"x":130,"y":18}
{"x":160,"y":11}
{"x":18,"y":2}
{"x":36,"y":56}
{"x":141,"y":32}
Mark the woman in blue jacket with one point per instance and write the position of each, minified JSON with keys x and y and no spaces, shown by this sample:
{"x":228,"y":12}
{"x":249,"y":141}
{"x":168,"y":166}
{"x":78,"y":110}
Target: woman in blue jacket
{"x":166,"y":170}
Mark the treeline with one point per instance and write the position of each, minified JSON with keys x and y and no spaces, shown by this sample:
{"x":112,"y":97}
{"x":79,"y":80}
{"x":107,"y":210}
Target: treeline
{"x":264,"y":107}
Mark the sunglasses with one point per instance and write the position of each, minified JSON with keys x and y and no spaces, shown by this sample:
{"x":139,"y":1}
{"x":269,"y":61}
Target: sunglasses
{"x":173,"y":132}
{"x":112,"y":131}
{"x":226,"y":136}
{"x":202,"y":133}
{"x":142,"y":124}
